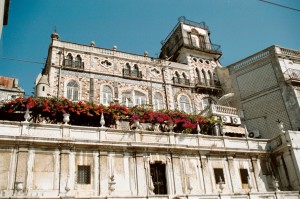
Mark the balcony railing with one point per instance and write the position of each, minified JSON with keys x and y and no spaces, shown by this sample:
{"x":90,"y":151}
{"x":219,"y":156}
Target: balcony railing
{"x":73,"y":64}
{"x":132,"y":73}
{"x":181,"y":81}
{"x":221,"y":110}
{"x":207,"y":83}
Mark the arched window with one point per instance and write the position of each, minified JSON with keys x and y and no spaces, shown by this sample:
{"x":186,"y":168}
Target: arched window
{"x":127,"y":98}
{"x":211,"y":80}
{"x":78,"y":61}
{"x":204,"y":80}
{"x":184,"y":104}
{"x":186,"y":81}
{"x":135,"y":70}
{"x":158,"y":101}
{"x":133,"y":98}
{"x":198,"y":75}
{"x":140,"y":98}
{"x":106,"y":95}
{"x":177,"y":78}
{"x":206,"y":102}
{"x":73,"y":90}
{"x":69,"y":60}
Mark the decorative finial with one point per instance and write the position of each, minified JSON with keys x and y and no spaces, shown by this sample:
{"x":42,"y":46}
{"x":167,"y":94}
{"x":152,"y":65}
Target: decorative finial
{"x":146,"y":54}
{"x":55,"y":35}
{"x":114,"y":47}
{"x":92,"y":43}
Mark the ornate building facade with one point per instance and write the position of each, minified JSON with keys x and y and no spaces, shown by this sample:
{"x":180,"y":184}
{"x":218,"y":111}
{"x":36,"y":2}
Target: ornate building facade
{"x":41,"y":160}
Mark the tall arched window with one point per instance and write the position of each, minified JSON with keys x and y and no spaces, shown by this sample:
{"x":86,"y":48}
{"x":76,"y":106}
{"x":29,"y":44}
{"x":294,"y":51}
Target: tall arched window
{"x":127,"y":98}
{"x":133,"y":98}
{"x":204,"y":80}
{"x":140,"y":98}
{"x":135,"y":71}
{"x":69,"y":60}
{"x":73,"y":90}
{"x":198,"y":75}
{"x":177,"y":78}
{"x":78,"y":61}
{"x":184,"y":104}
{"x":211,"y":79}
{"x":106,"y":95}
{"x":158,"y":101}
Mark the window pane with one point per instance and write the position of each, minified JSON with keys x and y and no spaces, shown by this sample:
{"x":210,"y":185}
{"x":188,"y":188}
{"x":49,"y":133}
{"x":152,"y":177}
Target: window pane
{"x":84,"y":175}
{"x":244,"y":176}
{"x":219,"y":175}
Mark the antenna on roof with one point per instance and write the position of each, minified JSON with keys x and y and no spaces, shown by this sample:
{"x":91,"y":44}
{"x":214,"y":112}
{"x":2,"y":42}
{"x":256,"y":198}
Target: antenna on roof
{"x":55,"y":29}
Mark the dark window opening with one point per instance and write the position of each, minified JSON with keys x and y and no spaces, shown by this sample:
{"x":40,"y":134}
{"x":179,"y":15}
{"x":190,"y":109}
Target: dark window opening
{"x":43,"y":88}
{"x":84,"y":175}
{"x":219,"y":175}
{"x":244,"y":178}
{"x":157,"y":172}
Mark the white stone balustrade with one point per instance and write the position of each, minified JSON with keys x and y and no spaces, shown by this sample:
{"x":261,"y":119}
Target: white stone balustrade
{"x":222,"y":110}
{"x":138,"y":138}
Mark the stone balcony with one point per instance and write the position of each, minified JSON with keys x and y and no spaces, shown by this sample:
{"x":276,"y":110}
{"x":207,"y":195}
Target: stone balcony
{"x":115,"y":138}
{"x":222,"y":110}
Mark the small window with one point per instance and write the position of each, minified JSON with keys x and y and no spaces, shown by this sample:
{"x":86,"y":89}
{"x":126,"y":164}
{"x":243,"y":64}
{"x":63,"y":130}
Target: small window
{"x":219,"y":175}
{"x":43,"y":88}
{"x":84,"y":175}
{"x":184,"y":104}
{"x":158,"y":175}
{"x":244,"y":176}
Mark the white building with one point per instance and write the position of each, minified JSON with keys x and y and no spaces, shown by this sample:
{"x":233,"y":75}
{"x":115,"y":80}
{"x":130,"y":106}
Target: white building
{"x":40,"y":160}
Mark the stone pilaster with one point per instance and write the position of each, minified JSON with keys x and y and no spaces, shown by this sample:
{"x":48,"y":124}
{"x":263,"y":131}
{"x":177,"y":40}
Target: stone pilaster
{"x":141,"y":178}
{"x":178,"y":175}
{"x":104,"y":172}
{"x":21,"y":172}
{"x":207,"y":182}
{"x":96,"y":172}
{"x":235,"y":181}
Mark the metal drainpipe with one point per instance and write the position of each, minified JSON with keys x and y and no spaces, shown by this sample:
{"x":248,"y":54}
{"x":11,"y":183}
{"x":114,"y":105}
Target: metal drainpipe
{"x":165,"y":87}
{"x":59,"y":75}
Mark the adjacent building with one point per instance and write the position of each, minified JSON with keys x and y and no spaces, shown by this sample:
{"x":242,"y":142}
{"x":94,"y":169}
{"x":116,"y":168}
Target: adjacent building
{"x":267,"y":88}
{"x":9,"y":89}
{"x":4,"y":8}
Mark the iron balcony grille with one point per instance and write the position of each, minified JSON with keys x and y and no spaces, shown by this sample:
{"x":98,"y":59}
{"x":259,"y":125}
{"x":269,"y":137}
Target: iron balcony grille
{"x":181,"y":81}
{"x":74,"y":64}
{"x":84,"y":175}
{"x":132,"y":73}
{"x":208,"y":83}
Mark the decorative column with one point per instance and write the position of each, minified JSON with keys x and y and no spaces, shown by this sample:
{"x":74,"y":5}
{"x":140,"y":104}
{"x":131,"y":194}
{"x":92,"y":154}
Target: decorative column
{"x":141,"y":180}
{"x":178,"y":173}
{"x":104,"y":171}
{"x":259,"y":184}
{"x":234,"y":181}
{"x":30,"y":164}
{"x":56,"y":156}
{"x":65,"y":180}
{"x":206,"y":175}
{"x":96,"y":172}
{"x":21,"y":172}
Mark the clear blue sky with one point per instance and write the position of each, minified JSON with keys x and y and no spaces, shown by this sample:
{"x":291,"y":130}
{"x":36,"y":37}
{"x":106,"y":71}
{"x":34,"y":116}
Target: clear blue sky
{"x":241,"y":27}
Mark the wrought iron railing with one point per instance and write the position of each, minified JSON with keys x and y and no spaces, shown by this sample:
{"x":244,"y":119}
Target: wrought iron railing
{"x":208,"y":83}
{"x":132,"y":73}
{"x":73,"y":64}
{"x":181,"y":81}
